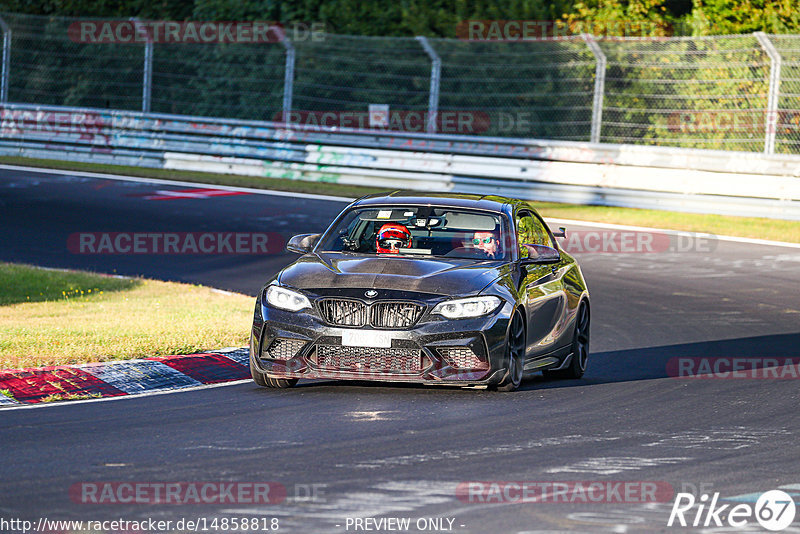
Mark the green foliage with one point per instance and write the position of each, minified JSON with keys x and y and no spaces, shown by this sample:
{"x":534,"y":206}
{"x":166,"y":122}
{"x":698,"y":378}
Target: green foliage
{"x":357,"y":17}
{"x":699,"y":93}
{"x":628,"y":18}
{"x":147,"y":9}
{"x":438,"y":18}
{"x":720,"y":17}
{"x":707,"y":93}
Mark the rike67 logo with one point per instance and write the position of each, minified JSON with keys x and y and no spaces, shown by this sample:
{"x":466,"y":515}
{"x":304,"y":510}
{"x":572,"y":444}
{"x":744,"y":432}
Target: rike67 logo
{"x":774,"y":510}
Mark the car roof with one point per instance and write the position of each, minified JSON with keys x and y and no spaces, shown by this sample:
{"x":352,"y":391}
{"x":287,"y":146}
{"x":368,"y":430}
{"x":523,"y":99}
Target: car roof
{"x":453,"y":200}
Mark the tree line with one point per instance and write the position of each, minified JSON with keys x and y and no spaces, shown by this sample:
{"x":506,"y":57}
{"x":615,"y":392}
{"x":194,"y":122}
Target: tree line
{"x":440,"y":18}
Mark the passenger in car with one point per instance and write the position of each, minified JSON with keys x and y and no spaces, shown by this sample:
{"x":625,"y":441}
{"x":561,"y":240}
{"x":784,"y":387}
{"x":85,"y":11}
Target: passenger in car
{"x":487,"y":242}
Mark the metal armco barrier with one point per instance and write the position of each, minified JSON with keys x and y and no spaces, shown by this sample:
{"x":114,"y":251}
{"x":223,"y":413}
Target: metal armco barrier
{"x":733,"y":183}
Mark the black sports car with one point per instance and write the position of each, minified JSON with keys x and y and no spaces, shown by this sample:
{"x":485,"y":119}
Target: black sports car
{"x":446,"y":289}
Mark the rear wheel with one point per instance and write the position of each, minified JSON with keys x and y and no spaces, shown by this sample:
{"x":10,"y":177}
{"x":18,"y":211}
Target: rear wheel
{"x":580,"y":347}
{"x":266,"y":381}
{"x":515,"y":354}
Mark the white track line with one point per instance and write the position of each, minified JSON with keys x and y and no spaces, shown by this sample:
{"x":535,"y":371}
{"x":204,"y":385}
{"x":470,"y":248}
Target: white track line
{"x":675,"y":232}
{"x":346,"y":199}
{"x":157,"y":181}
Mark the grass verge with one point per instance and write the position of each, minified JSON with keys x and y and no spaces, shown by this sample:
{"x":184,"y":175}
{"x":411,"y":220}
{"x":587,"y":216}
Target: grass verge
{"x":75,"y":317}
{"x":755,"y":227}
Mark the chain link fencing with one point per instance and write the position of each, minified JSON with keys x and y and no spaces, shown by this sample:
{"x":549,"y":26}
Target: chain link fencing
{"x":46,"y":67}
{"x":788,"y":124}
{"x":702,"y":92}
{"x":708,"y":92}
{"x":242,"y":81}
{"x":337,"y":74}
{"x":539,"y":89}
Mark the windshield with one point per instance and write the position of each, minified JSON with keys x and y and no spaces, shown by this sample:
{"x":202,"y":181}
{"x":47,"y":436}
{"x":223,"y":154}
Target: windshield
{"x":419,"y":230}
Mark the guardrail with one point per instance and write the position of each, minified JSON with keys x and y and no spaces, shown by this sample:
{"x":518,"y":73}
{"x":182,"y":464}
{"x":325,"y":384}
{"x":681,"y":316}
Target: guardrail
{"x":735,"y":183}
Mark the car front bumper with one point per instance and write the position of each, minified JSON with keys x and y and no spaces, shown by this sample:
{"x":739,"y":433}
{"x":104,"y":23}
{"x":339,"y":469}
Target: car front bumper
{"x":437,"y":351}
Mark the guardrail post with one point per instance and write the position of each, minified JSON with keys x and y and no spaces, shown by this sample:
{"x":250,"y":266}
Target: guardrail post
{"x":771,"y":125}
{"x":433,"y":96}
{"x":599,"y":86}
{"x":147,"y":70}
{"x":6,"y":55}
{"x":288,"y":80}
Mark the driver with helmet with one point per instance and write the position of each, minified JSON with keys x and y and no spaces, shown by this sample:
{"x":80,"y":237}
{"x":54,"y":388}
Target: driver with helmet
{"x":391,"y":238}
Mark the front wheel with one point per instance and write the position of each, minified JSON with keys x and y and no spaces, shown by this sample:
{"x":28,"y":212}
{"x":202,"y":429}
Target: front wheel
{"x":515,"y":354}
{"x":266,"y":381}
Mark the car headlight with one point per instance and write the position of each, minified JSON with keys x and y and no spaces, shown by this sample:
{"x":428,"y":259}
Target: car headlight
{"x":286,"y":299}
{"x":468,"y":307}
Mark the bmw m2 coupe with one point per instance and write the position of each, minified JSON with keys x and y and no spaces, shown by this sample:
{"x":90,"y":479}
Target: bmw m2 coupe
{"x":445,"y":289}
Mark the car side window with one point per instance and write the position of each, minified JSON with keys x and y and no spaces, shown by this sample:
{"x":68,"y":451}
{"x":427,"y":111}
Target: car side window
{"x":530,"y":231}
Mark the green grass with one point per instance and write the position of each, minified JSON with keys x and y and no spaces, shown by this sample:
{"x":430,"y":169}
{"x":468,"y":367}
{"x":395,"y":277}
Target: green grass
{"x":59,"y":397}
{"x":57,"y":319}
{"x":20,"y":283}
{"x":760,"y":228}
{"x":755,"y":227}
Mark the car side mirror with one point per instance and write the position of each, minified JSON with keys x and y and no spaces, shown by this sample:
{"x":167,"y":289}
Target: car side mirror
{"x":303,"y":243}
{"x":541,"y":254}
{"x":562,"y":232}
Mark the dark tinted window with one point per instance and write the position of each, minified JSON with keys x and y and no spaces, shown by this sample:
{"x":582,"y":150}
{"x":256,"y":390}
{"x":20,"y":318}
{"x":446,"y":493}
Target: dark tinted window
{"x":530,"y":231}
{"x":419,"y":231}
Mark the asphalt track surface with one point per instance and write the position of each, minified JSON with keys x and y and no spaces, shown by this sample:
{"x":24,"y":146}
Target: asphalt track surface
{"x":401,"y":451}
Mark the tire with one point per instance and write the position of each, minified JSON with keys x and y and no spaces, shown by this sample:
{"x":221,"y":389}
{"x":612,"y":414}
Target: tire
{"x":280,"y":383}
{"x":266,"y":381}
{"x":580,"y":347}
{"x":515,"y":354}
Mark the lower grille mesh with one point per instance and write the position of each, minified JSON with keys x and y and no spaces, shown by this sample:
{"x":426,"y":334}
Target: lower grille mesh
{"x":369,"y":359}
{"x":461,"y":357}
{"x":283,"y":349}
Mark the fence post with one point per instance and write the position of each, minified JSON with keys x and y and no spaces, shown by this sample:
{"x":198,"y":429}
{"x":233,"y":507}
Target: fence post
{"x":4,"y":73}
{"x":599,"y":86}
{"x":147,"y":76}
{"x":433,"y":97}
{"x":771,"y":125}
{"x":288,"y":80}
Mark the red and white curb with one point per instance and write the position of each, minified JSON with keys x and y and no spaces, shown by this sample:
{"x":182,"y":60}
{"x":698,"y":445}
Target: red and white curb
{"x":120,"y":378}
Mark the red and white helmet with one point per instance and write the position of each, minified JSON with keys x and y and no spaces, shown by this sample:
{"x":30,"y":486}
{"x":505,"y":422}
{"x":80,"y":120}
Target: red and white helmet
{"x":392,"y":237}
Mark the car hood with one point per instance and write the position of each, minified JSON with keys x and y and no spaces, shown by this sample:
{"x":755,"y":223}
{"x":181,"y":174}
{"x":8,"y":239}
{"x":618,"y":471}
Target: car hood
{"x":443,"y":276}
